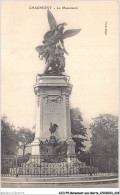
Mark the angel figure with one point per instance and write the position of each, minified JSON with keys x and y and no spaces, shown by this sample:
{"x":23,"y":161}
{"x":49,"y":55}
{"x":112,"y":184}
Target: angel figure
{"x":54,"y":36}
{"x":55,"y":60}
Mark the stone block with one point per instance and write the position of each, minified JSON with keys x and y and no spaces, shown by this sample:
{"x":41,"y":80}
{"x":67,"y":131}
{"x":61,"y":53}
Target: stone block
{"x":52,"y":106}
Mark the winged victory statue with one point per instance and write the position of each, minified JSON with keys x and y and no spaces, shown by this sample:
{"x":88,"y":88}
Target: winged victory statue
{"x":52,"y":50}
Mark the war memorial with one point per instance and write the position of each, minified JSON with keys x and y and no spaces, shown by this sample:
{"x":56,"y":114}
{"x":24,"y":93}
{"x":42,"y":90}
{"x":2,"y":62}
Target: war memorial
{"x":52,"y":89}
{"x":53,"y":149}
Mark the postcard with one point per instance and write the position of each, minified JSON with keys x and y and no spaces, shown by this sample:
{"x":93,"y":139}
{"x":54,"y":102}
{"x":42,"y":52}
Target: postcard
{"x":59,"y":97}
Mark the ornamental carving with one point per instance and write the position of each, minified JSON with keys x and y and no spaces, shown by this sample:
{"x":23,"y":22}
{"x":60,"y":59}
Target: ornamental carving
{"x":53,"y":98}
{"x":67,"y":100}
{"x":38,"y":101}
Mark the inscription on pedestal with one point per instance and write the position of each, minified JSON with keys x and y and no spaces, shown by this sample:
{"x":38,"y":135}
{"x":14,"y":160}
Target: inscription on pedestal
{"x":52,"y":112}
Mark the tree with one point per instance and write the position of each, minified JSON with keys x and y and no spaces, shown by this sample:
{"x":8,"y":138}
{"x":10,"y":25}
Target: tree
{"x":9,"y":139}
{"x":78,"y":130}
{"x":104,"y":131}
{"x":25,"y":137}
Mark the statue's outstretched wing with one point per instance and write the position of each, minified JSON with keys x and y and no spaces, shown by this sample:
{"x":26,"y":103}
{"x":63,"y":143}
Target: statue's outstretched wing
{"x":40,"y":49}
{"x":70,"y":33}
{"x":51,"y":20}
{"x":49,"y":34}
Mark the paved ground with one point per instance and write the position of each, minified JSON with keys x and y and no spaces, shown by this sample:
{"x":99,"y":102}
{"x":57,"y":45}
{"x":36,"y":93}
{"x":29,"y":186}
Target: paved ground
{"x":99,"y":181}
{"x":105,"y":185}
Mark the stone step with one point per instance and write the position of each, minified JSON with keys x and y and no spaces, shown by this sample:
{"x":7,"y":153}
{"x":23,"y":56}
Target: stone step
{"x":60,"y":179}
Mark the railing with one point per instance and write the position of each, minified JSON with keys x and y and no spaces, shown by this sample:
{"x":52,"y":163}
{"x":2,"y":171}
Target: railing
{"x":60,"y":165}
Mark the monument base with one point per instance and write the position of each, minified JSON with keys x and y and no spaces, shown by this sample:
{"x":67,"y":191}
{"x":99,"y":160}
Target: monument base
{"x":70,"y":146}
{"x":52,"y":107}
{"x":35,"y":147}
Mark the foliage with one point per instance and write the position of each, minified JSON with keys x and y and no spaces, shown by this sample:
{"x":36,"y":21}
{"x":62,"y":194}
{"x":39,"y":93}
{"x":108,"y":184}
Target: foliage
{"x":9,"y":139}
{"x":22,"y":159}
{"x":13,"y":162}
{"x":84,"y":157}
{"x":104,"y":138}
{"x":53,"y":152}
{"x":78,"y":130}
{"x":25,"y":137}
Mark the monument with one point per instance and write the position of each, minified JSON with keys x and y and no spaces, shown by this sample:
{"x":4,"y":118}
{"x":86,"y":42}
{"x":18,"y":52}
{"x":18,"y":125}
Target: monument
{"x":52,"y":88}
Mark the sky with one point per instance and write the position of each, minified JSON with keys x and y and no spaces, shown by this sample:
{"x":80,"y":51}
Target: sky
{"x":92,"y":63}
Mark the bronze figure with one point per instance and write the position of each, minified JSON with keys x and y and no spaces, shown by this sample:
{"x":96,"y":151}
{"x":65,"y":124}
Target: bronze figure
{"x":52,"y":50}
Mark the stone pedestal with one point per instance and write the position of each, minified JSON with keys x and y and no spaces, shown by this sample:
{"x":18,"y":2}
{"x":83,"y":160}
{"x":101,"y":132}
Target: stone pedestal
{"x":52,"y":105}
{"x":36,"y":147}
{"x":70,"y":146}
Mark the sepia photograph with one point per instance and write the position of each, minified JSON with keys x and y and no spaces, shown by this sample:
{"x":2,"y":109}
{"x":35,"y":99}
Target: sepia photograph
{"x":59,"y":95}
